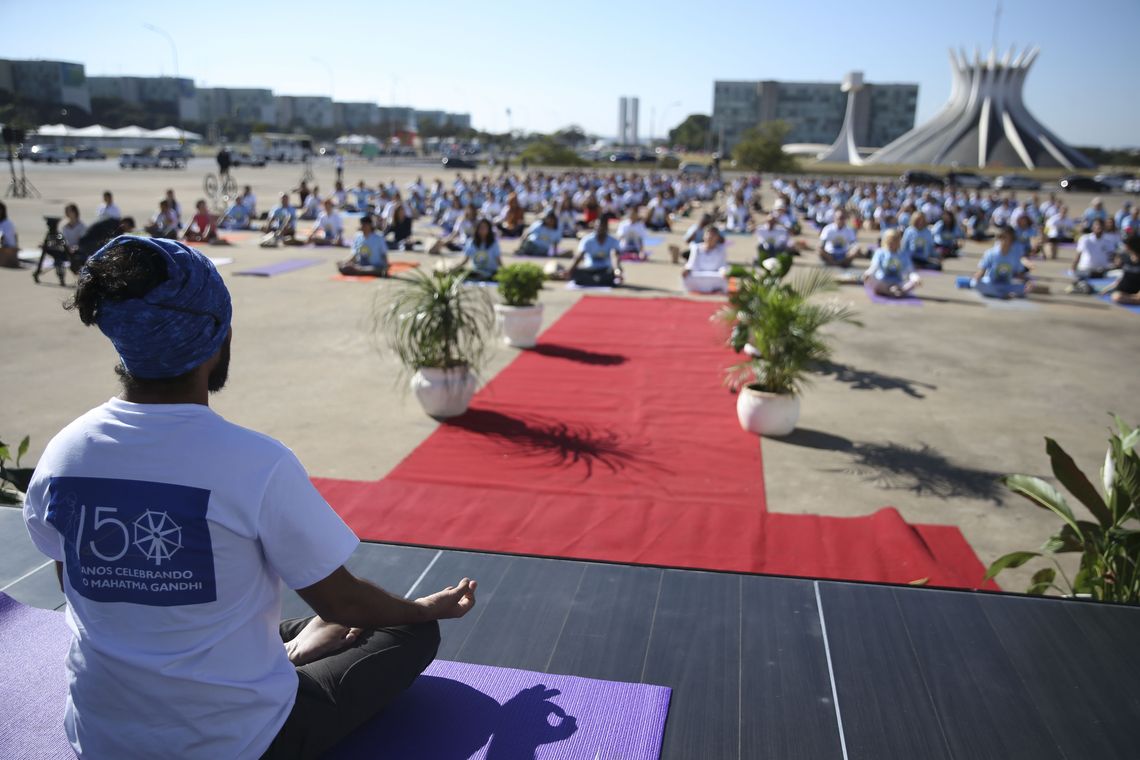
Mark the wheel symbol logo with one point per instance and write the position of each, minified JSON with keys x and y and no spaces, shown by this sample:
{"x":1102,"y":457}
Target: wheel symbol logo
{"x":157,"y":536}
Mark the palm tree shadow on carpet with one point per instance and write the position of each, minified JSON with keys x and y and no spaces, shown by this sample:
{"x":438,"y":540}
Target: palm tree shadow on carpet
{"x":553,"y":443}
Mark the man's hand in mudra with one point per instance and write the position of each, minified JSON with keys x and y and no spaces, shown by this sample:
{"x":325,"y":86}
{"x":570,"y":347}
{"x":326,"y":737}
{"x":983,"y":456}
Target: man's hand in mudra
{"x":453,"y":602}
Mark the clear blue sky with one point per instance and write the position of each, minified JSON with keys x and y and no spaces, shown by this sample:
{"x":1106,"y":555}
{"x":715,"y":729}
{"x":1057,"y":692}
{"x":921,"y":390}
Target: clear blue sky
{"x":555,"y":64}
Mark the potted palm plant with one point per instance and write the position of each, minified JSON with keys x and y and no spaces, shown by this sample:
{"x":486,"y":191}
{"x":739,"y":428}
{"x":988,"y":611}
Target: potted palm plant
{"x":438,"y":328}
{"x":780,"y":332}
{"x":519,"y":316}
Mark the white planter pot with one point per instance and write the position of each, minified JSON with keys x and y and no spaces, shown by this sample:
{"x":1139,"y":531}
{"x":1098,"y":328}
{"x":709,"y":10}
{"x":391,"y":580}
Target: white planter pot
{"x":519,"y":324}
{"x":444,"y":392}
{"x":767,"y":413}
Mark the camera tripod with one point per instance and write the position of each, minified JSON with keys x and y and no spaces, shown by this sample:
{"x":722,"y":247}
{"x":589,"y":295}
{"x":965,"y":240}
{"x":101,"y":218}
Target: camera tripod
{"x":55,"y":245}
{"x":19,"y":187}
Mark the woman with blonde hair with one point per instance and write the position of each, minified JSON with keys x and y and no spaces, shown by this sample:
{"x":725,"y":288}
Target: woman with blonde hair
{"x":510,"y":220}
{"x":891,"y":272}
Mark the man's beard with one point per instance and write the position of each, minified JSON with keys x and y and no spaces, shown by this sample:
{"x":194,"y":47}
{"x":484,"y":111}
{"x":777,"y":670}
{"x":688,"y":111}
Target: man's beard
{"x":218,"y":375}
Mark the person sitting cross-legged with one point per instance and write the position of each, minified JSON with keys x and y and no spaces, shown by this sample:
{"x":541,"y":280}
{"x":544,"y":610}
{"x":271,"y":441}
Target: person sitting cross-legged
{"x":1094,"y":257}
{"x":201,"y":228}
{"x":280,"y":224}
{"x":235,"y":217}
{"x":542,"y":237}
{"x":369,"y":252}
{"x":597,"y":263}
{"x":707,"y":266}
{"x":918,"y":243}
{"x":631,"y":234}
{"x":1125,"y":289}
{"x":891,"y":272}
{"x":163,"y":224}
{"x":837,"y":243}
{"x":329,"y":229}
{"x":482,"y":253}
{"x":1001,"y":272}
{"x":772,"y":239}
{"x":173,"y":531}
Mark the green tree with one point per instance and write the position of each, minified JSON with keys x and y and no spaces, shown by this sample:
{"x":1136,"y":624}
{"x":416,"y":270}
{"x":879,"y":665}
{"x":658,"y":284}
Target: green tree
{"x":692,"y":133}
{"x":572,"y":136}
{"x":761,"y":149}
{"x":548,"y":152}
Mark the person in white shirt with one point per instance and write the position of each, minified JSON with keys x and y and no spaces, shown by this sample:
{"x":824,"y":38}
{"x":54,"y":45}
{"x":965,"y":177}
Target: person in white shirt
{"x":707,"y":267}
{"x":107,"y":209}
{"x":175,"y":207}
{"x":311,"y":206}
{"x":329,"y":229}
{"x":163,"y":224}
{"x":1094,"y":253}
{"x":172,"y":531}
{"x":837,"y":243}
{"x":1058,"y":229}
{"x":773,"y":239}
{"x":631,"y":234}
{"x":9,"y":241}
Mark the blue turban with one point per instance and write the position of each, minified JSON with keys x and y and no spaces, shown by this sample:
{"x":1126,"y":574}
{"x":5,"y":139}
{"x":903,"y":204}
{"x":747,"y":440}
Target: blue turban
{"x":176,"y":326}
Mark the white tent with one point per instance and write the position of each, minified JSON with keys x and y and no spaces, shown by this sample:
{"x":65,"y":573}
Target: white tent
{"x":104,"y":137}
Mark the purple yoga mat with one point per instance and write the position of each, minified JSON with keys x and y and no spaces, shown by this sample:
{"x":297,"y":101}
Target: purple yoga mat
{"x":454,"y":710}
{"x":281,"y":267}
{"x":904,"y":301}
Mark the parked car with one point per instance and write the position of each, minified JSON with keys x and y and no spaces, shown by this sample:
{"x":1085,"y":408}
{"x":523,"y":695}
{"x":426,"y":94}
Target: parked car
{"x":691,"y":169}
{"x":968,"y":180}
{"x":913,"y":177}
{"x":1082,"y":184}
{"x":52,"y":154}
{"x":1131,"y":186}
{"x":1115,"y":180}
{"x":246,"y":159}
{"x":87,"y":153}
{"x":146,"y":158}
{"x":456,"y":162}
{"x":622,"y":157}
{"x":171,"y":158}
{"x":1016,"y":182}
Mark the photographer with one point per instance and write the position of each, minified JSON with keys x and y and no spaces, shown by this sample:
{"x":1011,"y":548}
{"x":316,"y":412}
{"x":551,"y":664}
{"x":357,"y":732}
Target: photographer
{"x":9,"y":244}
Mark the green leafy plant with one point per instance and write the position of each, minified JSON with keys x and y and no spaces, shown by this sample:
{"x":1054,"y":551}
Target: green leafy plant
{"x":14,"y":479}
{"x":433,"y":320}
{"x":519,"y":284}
{"x":761,"y":149}
{"x":772,"y":314}
{"x":1109,"y":547}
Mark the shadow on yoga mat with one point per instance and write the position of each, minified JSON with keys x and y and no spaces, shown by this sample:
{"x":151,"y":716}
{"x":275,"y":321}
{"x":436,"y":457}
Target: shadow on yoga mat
{"x":453,"y":711}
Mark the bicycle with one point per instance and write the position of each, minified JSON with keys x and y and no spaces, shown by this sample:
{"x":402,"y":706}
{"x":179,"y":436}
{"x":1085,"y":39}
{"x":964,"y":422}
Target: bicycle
{"x":228,"y":185}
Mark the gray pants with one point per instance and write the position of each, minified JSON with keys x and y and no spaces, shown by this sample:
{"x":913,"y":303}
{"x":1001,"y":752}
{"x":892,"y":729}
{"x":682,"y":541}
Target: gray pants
{"x":339,"y":693}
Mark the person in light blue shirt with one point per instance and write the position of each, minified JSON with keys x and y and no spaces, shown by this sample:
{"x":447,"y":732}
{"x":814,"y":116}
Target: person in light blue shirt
{"x":280,"y":224}
{"x":1093,"y":212}
{"x":918,"y":243}
{"x":482,"y":253}
{"x":542,"y":237}
{"x":891,"y":272}
{"x":1001,"y":272}
{"x":236,"y":217}
{"x":948,"y":234}
{"x":362,"y":197}
{"x":369,"y":252}
{"x":597,"y":263}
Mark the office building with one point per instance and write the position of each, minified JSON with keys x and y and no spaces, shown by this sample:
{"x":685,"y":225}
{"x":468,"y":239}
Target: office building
{"x":627,"y":133}
{"x":813,"y":110}
{"x":54,"y":82}
{"x":304,"y":111}
{"x":175,"y":94}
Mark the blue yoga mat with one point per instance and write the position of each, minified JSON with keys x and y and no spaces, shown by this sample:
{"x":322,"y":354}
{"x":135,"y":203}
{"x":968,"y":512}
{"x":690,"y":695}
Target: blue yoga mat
{"x":651,"y":241}
{"x":454,"y":710}
{"x":1108,"y":297}
{"x":281,"y":267}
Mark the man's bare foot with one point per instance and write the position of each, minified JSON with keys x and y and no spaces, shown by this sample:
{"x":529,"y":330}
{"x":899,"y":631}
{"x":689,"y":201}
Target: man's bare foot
{"x":318,"y":639}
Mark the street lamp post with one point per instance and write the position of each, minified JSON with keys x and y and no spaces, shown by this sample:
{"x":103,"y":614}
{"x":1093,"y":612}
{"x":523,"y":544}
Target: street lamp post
{"x":177,"y":84}
{"x":664,"y":114}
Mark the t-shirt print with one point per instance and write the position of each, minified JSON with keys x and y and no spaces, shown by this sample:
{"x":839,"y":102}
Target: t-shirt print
{"x":134,"y":541}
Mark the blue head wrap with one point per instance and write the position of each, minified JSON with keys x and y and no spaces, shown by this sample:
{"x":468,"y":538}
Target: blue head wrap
{"x":179,"y":324}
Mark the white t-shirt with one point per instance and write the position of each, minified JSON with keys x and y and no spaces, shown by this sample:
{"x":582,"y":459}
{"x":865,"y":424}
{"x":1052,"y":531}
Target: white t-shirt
{"x":630,"y":233}
{"x":176,"y":529}
{"x":775,"y":237}
{"x":706,"y":260}
{"x":7,"y":234}
{"x":107,"y":211}
{"x":837,"y":239}
{"x":331,"y":224}
{"x":1095,"y":253}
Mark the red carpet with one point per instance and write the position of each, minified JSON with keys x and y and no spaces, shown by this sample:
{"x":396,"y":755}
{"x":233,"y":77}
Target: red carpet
{"x":615,"y":440}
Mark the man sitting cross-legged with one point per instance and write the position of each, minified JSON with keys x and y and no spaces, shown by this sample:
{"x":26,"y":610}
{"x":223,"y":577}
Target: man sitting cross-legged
{"x":172,"y":531}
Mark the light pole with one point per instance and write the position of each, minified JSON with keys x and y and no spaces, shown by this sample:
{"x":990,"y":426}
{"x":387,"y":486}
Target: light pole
{"x":177,"y":84}
{"x":332,"y":76}
{"x":664,"y":114}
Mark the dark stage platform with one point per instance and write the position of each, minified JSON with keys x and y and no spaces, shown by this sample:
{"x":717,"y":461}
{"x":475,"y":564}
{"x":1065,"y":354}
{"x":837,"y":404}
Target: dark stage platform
{"x":769,"y":667}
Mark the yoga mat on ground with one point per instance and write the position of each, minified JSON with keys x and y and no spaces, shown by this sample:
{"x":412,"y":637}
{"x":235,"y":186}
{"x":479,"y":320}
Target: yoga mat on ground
{"x":454,"y":710}
{"x":394,"y":268}
{"x":281,"y":267}
{"x":1107,"y":297}
{"x":615,"y":440}
{"x":907,"y":300}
